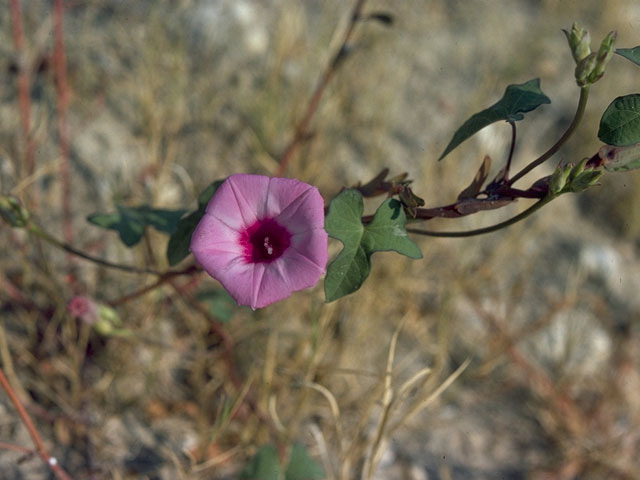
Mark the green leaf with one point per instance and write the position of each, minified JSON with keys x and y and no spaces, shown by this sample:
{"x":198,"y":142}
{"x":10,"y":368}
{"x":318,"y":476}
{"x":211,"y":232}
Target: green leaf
{"x":302,"y":466}
{"x":620,"y":122}
{"x":631,"y":54}
{"x":207,"y":193}
{"x":517,"y":99}
{"x":130,"y":222}
{"x":386,"y":232}
{"x":220,"y":303}
{"x":180,"y":241}
{"x":263,"y":465}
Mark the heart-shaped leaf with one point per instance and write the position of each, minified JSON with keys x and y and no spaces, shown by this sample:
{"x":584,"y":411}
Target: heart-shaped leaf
{"x":386,"y":232}
{"x":517,"y":99}
{"x":620,"y":122}
{"x":130,"y":222}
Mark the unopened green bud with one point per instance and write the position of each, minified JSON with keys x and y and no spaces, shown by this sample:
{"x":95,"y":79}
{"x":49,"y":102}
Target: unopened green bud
{"x":579,"y":42}
{"x":585,"y":180}
{"x":605,"y":53}
{"x":559,"y":179}
{"x":13,"y":212}
{"x":108,"y":321}
{"x":578,"y":169}
{"x":584,"y":70}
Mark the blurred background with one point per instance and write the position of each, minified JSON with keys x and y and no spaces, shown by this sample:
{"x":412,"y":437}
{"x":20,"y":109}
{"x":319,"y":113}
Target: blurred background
{"x":167,"y":96}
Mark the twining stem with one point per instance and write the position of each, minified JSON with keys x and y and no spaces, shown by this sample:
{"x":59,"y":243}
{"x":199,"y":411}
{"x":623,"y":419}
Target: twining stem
{"x":582,"y":104}
{"x":481,"y":231}
{"x":511,"y":150}
{"x":69,"y":249}
{"x":301,"y":129}
{"x":35,"y":436}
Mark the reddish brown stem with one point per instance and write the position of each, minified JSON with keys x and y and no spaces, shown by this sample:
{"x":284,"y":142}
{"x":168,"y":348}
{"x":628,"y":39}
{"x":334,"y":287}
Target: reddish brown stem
{"x":164,"y":278}
{"x":62,"y":89}
{"x":24,"y":99}
{"x":35,"y":436}
{"x":302,"y":128}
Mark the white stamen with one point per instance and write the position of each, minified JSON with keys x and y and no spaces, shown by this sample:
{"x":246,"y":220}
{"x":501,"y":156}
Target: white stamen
{"x":53,"y":461}
{"x":268,"y":246}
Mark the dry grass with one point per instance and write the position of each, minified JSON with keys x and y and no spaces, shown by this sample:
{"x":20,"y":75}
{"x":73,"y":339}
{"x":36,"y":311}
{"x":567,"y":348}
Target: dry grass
{"x":513,"y":355}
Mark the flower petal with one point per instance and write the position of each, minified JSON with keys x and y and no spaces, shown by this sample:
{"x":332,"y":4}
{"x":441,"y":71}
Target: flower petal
{"x":299,"y":270}
{"x":305,"y":213}
{"x":282,"y":193}
{"x":238,"y":279}
{"x":271,"y":285}
{"x":240,"y":200}
{"x":212,"y":235}
{"x":313,"y":246}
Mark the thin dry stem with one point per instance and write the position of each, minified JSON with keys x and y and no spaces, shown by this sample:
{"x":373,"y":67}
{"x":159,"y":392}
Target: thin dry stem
{"x":51,"y":462}
{"x":302,"y":128}
{"x":24,"y":97}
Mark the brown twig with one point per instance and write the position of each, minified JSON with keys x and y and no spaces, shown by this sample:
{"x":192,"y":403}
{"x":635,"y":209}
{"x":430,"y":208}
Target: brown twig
{"x":62,"y":89}
{"x":35,"y":436}
{"x":164,"y":278}
{"x":24,"y":99}
{"x":301,"y":130}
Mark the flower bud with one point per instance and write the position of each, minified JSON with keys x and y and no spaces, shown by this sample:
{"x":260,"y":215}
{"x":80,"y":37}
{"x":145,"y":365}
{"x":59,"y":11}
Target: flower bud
{"x":84,"y":308}
{"x":584,"y":70}
{"x":585,"y":180}
{"x":605,"y":53}
{"x":559,"y":179}
{"x":13,"y":212}
{"x":579,"y":42}
{"x":577,"y":170}
{"x":109,"y":322}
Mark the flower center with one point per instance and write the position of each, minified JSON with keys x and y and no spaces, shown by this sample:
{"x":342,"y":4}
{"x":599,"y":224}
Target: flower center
{"x":265,"y":241}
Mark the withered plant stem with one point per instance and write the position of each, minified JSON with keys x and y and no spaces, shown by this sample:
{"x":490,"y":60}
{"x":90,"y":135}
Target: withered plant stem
{"x":62,"y":92}
{"x":302,"y":128}
{"x":35,"y":436}
{"x":24,"y":99}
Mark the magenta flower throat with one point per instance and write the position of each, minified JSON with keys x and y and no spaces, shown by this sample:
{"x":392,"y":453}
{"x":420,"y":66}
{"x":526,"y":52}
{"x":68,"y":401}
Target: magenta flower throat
{"x":262,"y":238}
{"x":265,"y":241}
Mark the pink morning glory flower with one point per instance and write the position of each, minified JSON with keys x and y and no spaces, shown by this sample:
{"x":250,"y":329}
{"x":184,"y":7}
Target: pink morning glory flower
{"x":84,"y":308}
{"x":262,"y":238}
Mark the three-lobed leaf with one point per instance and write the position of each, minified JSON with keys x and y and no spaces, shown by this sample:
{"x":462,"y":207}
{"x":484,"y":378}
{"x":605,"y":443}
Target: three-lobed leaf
{"x":386,"y":232}
{"x":130,"y":222}
{"x":620,"y":122}
{"x":517,"y":99}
